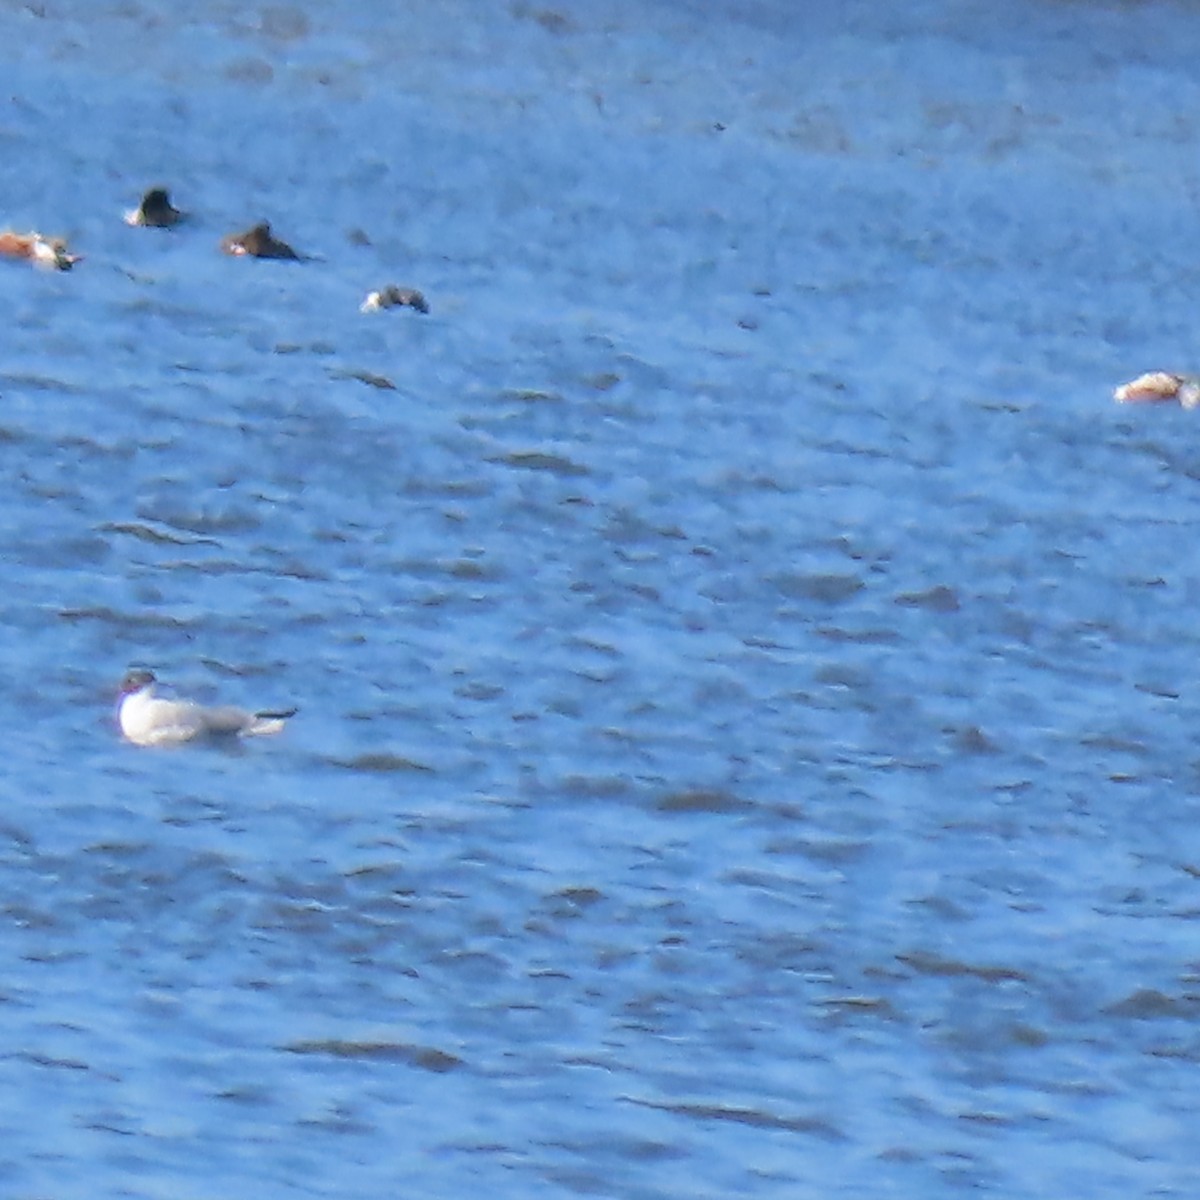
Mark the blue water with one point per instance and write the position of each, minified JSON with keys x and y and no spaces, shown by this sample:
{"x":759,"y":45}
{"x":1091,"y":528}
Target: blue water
{"x":745,"y":659}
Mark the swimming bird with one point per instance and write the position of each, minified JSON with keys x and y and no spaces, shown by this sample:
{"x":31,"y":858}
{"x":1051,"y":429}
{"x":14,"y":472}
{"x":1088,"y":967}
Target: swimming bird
{"x":38,"y":249}
{"x":147,"y":719}
{"x":394,"y":297}
{"x":258,"y":242}
{"x":155,"y":210}
{"x":1157,"y":386}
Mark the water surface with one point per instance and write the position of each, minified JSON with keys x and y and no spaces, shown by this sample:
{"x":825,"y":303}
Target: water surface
{"x":743,"y":655}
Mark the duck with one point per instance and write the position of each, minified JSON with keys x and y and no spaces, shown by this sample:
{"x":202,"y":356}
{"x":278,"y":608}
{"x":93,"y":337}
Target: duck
{"x":258,"y":242}
{"x":394,"y":297}
{"x":147,"y":719}
{"x":1157,"y":386}
{"x":155,"y":211}
{"x":38,"y":249}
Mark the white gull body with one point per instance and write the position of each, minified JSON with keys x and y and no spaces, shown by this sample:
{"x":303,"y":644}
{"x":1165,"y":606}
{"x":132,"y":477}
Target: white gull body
{"x":148,"y":719}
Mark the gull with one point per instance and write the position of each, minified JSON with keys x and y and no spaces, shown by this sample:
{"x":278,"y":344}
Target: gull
{"x":150,"y":720}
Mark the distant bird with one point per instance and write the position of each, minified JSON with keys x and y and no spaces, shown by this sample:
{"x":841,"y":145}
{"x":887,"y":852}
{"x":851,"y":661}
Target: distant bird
{"x":38,"y":249}
{"x":149,"y":720}
{"x":155,"y":210}
{"x":1158,"y":386}
{"x":394,"y":297}
{"x":258,"y":242}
